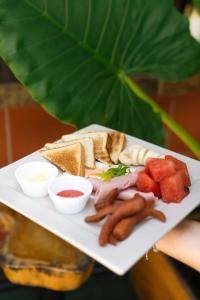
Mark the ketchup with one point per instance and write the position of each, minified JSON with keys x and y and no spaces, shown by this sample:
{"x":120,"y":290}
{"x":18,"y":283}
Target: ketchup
{"x":70,"y":193}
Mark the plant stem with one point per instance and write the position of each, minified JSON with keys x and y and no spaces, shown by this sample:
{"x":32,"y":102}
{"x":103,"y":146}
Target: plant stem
{"x":167,"y":120}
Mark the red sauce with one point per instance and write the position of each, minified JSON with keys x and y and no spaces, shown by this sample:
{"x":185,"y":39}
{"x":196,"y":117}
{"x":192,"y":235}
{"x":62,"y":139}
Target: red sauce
{"x":70,"y":193}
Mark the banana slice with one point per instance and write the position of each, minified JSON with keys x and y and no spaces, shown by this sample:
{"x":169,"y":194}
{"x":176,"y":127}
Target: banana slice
{"x":149,"y":154}
{"x":125,"y":157}
{"x":137,"y":155}
{"x":141,"y":156}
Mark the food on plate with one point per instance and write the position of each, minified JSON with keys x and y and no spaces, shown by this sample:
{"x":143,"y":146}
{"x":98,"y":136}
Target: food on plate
{"x":173,"y":188}
{"x":107,"y":144}
{"x":160,"y":168}
{"x":79,"y":150}
{"x":70,"y":193}
{"x":126,"y":225}
{"x":102,"y":142}
{"x":121,"y":217}
{"x":102,"y":213}
{"x":73,"y":184}
{"x":112,"y":240}
{"x":119,"y":170}
{"x":93,"y":172}
{"x":167,"y":178}
{"x":126,"y":194}
{"x":118,"y":142}
{"x":121,"y":183}
{"x":180,"y":165}
{"x":96,"y":182}
{"x":146,"y":184}
{"x":137,"y":155}
{"x":34,"y":177}
{"x":69,"y":158}
{"x":87,"y":144}
{"x":38,"y":177}
{"x":112,"y":195}
{"x":130,"y":193}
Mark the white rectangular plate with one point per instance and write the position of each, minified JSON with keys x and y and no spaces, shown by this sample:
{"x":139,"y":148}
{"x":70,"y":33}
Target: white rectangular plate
{"x":74,"y":230}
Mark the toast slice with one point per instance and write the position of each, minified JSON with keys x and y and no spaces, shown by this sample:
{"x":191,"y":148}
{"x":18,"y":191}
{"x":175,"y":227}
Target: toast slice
{"x":87,"y":144}
{"x":101,"y":141}
{"x":69,"y":158}
{"x":117,"y":145}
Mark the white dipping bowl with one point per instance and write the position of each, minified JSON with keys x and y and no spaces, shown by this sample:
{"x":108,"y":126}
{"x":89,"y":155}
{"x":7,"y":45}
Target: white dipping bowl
{"x":70,"y":205}
{"x":26,"y":172}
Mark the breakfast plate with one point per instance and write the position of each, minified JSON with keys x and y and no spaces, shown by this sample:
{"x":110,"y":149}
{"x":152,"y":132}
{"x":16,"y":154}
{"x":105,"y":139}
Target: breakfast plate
{"x":73,"y":228}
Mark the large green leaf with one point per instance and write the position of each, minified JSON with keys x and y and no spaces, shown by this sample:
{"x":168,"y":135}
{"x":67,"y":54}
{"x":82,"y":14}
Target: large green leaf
{"x":197,"y":4}
{"x":74,"y":56}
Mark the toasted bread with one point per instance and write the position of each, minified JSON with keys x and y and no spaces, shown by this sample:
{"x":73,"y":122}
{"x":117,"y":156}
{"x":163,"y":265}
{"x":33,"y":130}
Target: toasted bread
{"x":117,"y":145}
{"x":101,"y":141}
{"x":87,"y":144}
{"x":69,"y":158}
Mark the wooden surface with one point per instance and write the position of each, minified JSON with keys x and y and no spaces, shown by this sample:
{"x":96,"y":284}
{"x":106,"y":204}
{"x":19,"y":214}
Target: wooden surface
{"x":156,"y":279}
{"x":31,"y":255}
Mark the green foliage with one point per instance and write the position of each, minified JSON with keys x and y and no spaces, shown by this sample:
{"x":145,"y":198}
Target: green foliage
{"x":197,"y":4}
{"x":74,"y":57}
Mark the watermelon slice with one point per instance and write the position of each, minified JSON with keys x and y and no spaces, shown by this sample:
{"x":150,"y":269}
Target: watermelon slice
{"x":180,"y":165}
{"x":146,"y":184}
{"x":160,"y":168}
{"x":173,"y":188}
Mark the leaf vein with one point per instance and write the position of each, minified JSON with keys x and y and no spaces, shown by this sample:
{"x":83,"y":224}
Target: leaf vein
{"x":35,"y":44}
{"x":120,"y":32}
{"x":21,"y":19}
{"x":88,"y":21}
{"x":54,"y":59}
{"x":104,"y":25}
{"x":133,"y":106}
{"x":71,"y":74}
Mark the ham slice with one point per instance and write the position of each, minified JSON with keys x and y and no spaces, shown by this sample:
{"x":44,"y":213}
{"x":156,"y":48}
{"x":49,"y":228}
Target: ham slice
{"x":96,"y":182}
{"x":121,"y":183}
{"x":130,"y":193}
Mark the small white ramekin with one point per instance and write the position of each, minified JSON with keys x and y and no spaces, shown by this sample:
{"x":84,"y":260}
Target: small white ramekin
{"x":70,"y":205}
{"x":25,"y":172}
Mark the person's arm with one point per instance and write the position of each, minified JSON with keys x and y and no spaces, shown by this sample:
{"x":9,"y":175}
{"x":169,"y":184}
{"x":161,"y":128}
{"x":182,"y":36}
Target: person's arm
{"x":183,"y":243}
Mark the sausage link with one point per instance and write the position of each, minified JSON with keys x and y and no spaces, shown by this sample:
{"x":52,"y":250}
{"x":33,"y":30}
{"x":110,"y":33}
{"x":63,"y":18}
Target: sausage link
{"x":112,"y":195}
{"x":125,"y":226}
{"x":102,"y":213}
{"x":125,"y":209}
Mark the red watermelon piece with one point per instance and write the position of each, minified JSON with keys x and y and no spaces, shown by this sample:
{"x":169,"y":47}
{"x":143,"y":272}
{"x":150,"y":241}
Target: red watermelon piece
{"x":160,"y":168}
{"x":180,"y":165}
{"x":146,"y":184}
{"x":173,"y":188}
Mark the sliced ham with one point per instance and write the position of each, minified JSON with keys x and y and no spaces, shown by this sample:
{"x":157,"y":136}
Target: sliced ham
{"x":121,"y":183}
{"x":96,"y":182}
{"x":130,"y":193}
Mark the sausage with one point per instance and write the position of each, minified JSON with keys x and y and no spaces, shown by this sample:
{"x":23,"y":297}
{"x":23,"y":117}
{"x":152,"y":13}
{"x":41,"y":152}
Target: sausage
{"x":157,"y":214}
{"x":112,"y":195}
{"x":125,"y":209}
{"x":122,"y":230}
{"x":102,"y":213}
{"x":125,"y":226}
{"x":112,"y":240}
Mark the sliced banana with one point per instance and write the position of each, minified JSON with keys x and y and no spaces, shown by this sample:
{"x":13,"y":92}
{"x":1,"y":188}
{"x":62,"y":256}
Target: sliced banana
{"x":149,"y":154}
{"x":141,"y":156}
{"x":137,"y":155}
{"x":126,"y":157}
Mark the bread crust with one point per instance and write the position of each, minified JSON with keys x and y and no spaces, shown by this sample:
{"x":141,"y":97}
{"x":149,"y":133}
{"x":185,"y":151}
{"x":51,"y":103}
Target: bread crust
{"x":70,"y":158}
